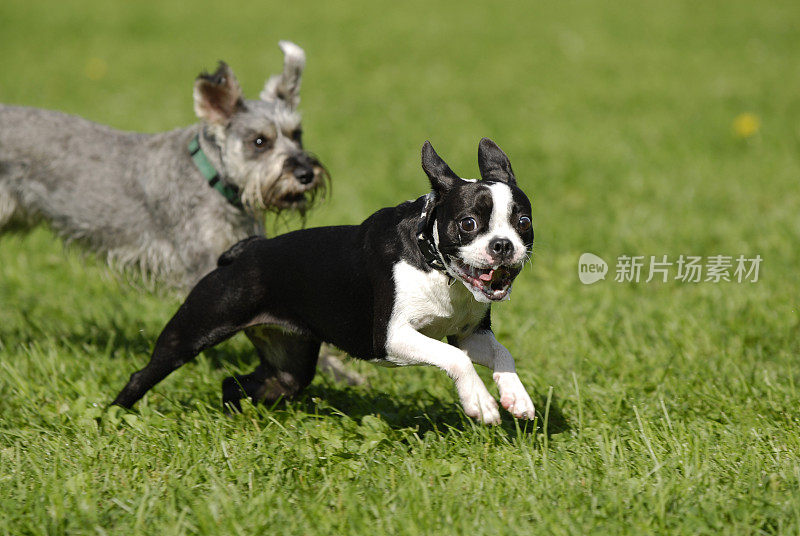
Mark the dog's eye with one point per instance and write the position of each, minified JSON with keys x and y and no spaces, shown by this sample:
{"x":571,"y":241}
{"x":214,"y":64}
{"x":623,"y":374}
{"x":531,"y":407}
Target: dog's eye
{"x":261,"y":143}
{"x":468,"y":225}
{"x":297,"y":135}
{"x":524,"y":223}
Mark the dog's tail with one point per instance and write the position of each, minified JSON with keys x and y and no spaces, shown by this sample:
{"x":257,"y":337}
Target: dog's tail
{"x":233,"y":253}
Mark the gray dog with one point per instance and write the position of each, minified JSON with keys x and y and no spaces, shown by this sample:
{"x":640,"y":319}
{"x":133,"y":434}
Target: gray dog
{"x":167,"y":204}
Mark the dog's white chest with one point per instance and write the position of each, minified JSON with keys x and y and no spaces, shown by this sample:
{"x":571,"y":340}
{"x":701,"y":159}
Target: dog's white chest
{"x":431,"y":305}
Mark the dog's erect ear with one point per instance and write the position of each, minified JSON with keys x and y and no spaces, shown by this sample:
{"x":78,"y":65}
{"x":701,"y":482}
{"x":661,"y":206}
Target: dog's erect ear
{"x":493,"y":163}
{"x":217,"y":95}
{"x":286,"y":86}
{"x":441,"y":176}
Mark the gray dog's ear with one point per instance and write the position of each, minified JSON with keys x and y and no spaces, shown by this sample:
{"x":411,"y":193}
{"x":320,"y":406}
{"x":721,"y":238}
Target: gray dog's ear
{"x":493,"y":163}
{"x":441,"y":176}
{"x":286,"y":86}
{"x":217,"y":95}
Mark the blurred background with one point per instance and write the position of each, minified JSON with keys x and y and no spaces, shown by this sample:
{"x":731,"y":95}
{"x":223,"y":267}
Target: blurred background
{"x":637,"y":128}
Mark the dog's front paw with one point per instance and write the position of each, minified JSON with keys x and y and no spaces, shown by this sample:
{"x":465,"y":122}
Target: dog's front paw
{"x":513,"y":395}
{"x":480,"y":405}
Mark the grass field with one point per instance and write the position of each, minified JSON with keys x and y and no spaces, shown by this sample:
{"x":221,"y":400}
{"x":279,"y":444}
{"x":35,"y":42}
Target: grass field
{"x":666,"y":408}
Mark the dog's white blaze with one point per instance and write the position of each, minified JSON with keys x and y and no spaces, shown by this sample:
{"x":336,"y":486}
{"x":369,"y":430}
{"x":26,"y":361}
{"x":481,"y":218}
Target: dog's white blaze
{"x":477,"y":252}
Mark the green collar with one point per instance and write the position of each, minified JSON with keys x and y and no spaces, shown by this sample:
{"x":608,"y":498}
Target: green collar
{"x":228,"y":191}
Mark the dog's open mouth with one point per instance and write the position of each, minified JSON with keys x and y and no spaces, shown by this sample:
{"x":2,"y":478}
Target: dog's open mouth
{"x":494,"y":283}
{"x":295,"y":200}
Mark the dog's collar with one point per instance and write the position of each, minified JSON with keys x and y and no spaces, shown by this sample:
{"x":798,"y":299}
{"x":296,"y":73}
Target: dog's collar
{"x":427,"y":246}
{"x":204,"y":165}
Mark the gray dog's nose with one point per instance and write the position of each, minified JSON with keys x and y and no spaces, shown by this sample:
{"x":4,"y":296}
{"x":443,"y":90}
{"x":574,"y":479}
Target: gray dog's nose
{"x":303,"y":174}
{"x":501,"y":248}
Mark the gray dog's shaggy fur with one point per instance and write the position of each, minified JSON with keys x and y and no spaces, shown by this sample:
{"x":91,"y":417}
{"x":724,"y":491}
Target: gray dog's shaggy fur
{"x":139,"y":199}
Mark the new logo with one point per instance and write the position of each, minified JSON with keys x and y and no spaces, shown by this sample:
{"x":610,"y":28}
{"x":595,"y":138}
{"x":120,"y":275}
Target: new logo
{"x":591,"y":268}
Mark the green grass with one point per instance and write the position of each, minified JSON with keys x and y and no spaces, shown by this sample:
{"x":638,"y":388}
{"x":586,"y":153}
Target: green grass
{"x":673,"y":408}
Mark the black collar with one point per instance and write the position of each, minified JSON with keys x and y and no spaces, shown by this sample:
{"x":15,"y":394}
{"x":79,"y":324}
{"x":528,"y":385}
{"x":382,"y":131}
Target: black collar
{"x":427,"y":246}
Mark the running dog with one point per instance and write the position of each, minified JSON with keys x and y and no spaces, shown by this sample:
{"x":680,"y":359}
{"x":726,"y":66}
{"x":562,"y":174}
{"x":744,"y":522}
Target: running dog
{"x":388,"y":291}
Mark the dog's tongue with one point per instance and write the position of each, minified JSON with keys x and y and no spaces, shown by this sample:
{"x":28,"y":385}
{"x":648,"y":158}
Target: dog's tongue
{"x":486,"y":276}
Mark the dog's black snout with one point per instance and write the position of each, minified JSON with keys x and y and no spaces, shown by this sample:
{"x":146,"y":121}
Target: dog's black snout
{"x":302,"y":167}
{"x":304,"y":174}
{"x":501,"y":247}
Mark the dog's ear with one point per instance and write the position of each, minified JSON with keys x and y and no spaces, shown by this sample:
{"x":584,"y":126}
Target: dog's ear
{"x":286,"y":86}
{"x":217,"y":95}
{"x":441,"y":176}
{"x":493,"y":163}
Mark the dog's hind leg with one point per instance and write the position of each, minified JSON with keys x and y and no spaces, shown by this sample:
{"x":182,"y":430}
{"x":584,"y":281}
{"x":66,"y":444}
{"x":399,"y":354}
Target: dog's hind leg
{"x":334,"y":367}
{"x":288,"y":364}
{"x":179,"y":343}
{"x":213,"y":312}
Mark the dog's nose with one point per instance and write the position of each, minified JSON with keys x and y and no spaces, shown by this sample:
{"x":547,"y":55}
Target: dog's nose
{"x":501,"y":248}
{"x":303,"y":174}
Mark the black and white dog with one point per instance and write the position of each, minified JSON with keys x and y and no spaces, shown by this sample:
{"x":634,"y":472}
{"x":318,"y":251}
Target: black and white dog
{"x":388,"y":290}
